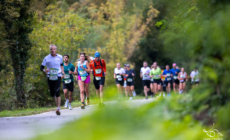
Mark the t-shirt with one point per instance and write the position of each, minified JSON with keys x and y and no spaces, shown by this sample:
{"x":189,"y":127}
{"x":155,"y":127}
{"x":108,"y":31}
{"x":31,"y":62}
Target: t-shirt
{"x":195,"y":76}
{"x":118,"y":71}
{"x":53,"y":62}
{"x":175,"y":76}
{"x":129,"y":72}
{"x":67,"y":68}
{"x":145,"y":73}
{"x":155,"y":73}
{"x":168,"y":73}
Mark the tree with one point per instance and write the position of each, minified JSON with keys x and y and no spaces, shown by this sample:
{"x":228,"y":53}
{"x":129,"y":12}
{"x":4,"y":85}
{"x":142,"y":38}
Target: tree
{"x":17,"y":19}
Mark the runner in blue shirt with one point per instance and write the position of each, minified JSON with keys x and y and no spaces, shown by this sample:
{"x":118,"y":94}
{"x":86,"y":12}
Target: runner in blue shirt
{"x":168,"y":78}
{"x":175,"y":80}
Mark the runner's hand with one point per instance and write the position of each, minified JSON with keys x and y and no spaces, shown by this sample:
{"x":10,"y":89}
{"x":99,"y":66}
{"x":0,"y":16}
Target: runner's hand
{"x":47,"y":70}
{"x":75,"y":73}
{"x":70,"y":72}
{"x":62,"y":76}
{"x":104,"y":73}
{"x":82,"y":67}
{"x":132,"y":74}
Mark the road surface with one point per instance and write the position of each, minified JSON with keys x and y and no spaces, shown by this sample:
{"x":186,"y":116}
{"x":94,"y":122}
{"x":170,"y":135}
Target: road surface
{"x":27,"y":127}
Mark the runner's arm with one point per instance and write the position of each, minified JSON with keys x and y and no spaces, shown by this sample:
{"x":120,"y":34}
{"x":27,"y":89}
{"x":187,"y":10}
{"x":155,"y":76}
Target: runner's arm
{"x":104,"y":66}
{"x":88,"y":68}
{"x":114,"y":75}
{"x":179,"y":77}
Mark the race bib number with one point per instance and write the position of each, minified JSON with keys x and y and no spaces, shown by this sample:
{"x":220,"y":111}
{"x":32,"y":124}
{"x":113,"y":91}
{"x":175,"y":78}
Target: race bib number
{"x":118,"y":76}
{"x":130,"y":80}
{"x":152,"y":79}
{"x":67,"y":76}
{"x":119,"y":79}
{"x":98,"y":78}
{"x":175,"y":77}
{"x":97,"y":71}
{"x":68,"y":81}
{"x":156,"y":76}
{"x":181,"y":80}
{"x":53,"y":71}
{"x":82,"y":72}
{"x":53,"y":77}
{"x":168,"y":74}
{"x":169,"y":79}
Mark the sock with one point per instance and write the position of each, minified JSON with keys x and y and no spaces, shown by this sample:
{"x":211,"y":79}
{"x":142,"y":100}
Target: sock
{"x":67,"y":100}
{"x":101,"y":100}
{"x":69,"y":103}
{"x":58,"y":108}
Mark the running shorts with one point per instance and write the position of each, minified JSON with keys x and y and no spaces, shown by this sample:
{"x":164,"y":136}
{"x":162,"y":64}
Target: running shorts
{"x":54,"y":87}
{"x":157,"y":81}
{"x":68,"y":86}
{"x":167,"y":82}
{"x":176,"y":81}
{"x":97,"y":83}
{"x":130,"y":83}
{"x":146,"y":83}
{"x":87,"y":80}
{"x":120,"y":82}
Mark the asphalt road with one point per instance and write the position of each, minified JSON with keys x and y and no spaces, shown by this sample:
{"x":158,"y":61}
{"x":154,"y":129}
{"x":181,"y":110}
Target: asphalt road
{"x":27,"y":127}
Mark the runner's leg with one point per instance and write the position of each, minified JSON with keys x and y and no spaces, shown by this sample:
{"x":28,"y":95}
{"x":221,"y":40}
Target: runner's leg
{"x":101,"y":93}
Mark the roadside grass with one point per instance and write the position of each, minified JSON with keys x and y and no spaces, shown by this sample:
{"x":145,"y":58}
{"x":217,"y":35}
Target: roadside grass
{"x":110,"y":95}
{"x":161,"y":119}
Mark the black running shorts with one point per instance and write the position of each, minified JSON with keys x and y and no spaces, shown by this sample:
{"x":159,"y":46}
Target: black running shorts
{"x":69,"y":86}
{"x":97,"y":83}
{"x":146,"y":83}
{"x":54,"y":87}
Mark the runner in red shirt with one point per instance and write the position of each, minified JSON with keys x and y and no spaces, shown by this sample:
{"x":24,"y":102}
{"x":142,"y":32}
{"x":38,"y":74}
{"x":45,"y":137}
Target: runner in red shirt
{"x":98,"y":67}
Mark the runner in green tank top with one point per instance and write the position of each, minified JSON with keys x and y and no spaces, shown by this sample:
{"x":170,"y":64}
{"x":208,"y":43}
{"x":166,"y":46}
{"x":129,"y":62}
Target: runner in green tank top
{"x":155,"y":74}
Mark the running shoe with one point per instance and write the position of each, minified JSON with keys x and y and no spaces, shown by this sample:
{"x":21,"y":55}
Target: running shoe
{"x":70,"y":108}
{"x":152,"y":96}
{"x":82,"y":106}
{"x":58,"y":112}
{"x":87,"y":102}
{"x":168,"y":94}
{"x":66,"y":103}
{"x":130,"y":98}
{"x":163,"y":94}
{"x":146,"y":98}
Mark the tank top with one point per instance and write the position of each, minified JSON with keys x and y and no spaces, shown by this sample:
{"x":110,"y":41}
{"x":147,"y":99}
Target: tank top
{"x":81,"y":71}
{"x":182,"y":76}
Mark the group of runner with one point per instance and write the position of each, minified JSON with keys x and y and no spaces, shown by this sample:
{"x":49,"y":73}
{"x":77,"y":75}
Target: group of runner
{"x":156,"y":80}
{"x":57,"y":71}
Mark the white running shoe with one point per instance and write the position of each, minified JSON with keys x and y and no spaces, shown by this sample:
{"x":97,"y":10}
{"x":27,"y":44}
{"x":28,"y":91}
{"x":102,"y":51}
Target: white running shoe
{"x":66,"y":103}
{"x":70,"y":108}
{"x":163,"y":94}
{"x":130,"y":98}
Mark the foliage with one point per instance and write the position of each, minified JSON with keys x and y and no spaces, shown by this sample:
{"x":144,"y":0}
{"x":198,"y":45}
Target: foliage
{"x":17,"y":20}
{"x":156,"y":120}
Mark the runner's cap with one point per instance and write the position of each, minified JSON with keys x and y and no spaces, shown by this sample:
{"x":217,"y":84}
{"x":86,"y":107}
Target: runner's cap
{"x":97,"y":54}
{"x":127,"y":65}
{"x":174,"y":64}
